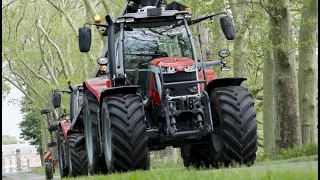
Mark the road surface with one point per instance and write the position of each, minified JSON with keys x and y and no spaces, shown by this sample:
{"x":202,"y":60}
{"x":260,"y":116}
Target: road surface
{"x":310,"y":164}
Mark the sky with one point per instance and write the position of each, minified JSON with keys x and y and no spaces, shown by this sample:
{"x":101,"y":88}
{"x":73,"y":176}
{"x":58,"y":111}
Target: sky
{"x":11,"y":115}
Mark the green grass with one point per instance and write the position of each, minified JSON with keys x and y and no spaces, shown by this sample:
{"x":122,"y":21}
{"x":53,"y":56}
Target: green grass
{"x":247,"y":174}
{"x":295,"y":152}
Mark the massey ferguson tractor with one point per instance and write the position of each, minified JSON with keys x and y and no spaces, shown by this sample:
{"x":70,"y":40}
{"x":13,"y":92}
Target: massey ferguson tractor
{"x":151,"y":91}
{"x":72,"y":156}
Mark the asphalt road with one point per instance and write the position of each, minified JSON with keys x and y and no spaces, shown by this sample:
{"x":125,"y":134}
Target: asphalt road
{"x":310,"y":164}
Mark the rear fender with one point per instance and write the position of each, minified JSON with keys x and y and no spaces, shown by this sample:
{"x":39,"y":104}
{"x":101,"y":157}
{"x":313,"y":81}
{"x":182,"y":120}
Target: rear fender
{"x":97,"y":86}
{"x":224,"y":82}
{"x":119,"y":90}
{"x":65,"y":126}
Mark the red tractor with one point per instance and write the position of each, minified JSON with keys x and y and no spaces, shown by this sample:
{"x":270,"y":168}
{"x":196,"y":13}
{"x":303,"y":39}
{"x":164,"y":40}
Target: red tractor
{"x":151,"y":91}
{"x":72,"y":156}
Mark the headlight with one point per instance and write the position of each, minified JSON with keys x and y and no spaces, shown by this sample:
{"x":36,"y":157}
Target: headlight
{"x":190,"y":68}
{"x":224,"y":53}
{"x":171,"y":70}
{"x":168,"y":69}
{"x":102,"y":61}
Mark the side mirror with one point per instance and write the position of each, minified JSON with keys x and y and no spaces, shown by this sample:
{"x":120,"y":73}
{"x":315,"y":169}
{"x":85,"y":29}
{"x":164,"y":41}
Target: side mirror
{"x":56,"y":100}
{"x":84,"y":39}
{"x":227,"y":27}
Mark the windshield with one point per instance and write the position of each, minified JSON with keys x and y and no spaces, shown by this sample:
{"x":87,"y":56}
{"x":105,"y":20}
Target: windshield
{"x":141,"y":45}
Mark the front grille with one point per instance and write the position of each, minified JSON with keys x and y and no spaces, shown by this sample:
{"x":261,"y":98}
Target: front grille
{"x":179,"y":77}
{"x":183,"y":89}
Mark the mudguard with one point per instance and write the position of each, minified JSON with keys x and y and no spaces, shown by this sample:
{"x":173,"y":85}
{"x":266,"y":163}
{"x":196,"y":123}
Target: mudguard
{"x":100,"y":87}
{"x":224,"y":82}
{"x":119,"y":90}
{"x":97,"y":85}
{"x":210,"y":75}
{"x":65,"y":126}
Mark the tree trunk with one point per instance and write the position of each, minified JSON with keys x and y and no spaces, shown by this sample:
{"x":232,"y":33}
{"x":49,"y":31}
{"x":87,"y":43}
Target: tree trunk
{"x":238,"y":8}
{"x":204,"y":39}
{"x":268,"y":103}
{"x":288,"y":132}
{"x":308,"y":71}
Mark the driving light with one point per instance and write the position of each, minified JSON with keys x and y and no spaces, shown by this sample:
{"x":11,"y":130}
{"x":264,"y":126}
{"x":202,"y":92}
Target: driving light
{"x":224,"y":53}
{"x":130,"y":20}
{"x":102,"y":61}
{"x":97,"y":19}
{"x":179,"y":16}
{"x":121,"y":20}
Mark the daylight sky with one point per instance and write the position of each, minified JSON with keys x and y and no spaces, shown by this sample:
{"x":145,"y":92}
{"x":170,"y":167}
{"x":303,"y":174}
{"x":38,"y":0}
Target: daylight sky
{"x":11,"y":115}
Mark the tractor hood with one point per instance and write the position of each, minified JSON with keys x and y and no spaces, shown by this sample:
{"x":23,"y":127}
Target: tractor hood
{"x":174,"y":62}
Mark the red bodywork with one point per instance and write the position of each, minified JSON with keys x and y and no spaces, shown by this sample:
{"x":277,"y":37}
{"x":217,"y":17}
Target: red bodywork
{"x":178,"y":63}
{"x":210,"y":75}
{"x":97,"y":85}
{"x":65,"y":126}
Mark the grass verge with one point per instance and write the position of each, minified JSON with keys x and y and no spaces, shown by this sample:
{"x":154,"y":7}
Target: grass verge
{"x":249,"y":174}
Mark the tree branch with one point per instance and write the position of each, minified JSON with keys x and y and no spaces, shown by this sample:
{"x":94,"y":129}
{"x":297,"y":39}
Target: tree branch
{"x":18,"y":87}
{"x":39,"y":26}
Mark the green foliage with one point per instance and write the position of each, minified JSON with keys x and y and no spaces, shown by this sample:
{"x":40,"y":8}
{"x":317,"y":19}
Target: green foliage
{"x":30,"y":127}
{"x":296,"y":151}
{"x":7,"y":139}
{"x":5,"y":88}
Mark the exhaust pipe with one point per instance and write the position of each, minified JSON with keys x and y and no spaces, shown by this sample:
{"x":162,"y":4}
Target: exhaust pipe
{"x":111,"y":50}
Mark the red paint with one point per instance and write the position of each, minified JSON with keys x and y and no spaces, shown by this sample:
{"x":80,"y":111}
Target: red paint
{"x":210,"y":75}
{"x":65,"y":126}
{"x":178,"y":63}
{"x":97,"y":85}
{"x":153,"y":93}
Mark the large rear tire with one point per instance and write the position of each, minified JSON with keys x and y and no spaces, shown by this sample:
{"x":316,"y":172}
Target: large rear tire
{"x":124,"y":133}
{"x":235,"y":128}
{"x":77,"y":155}
{"x":62,"y":166}
{"x":90,"y":115}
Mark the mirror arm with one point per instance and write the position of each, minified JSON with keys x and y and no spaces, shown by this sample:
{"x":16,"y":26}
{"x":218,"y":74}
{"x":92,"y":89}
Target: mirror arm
{"x":195,"y":21}
{"x":95,"y":24}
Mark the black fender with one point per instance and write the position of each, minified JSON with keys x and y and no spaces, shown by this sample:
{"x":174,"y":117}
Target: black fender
{"x":118,"y":90}
{"x":224,"y":82}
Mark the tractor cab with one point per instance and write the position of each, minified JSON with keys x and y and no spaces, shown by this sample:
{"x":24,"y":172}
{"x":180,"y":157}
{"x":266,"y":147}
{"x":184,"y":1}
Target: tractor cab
{"x":144,"y":43}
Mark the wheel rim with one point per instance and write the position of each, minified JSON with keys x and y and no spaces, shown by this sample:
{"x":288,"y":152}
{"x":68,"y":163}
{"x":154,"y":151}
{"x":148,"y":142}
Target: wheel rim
{"x":88,"y":135}
{"x":107,"y":139}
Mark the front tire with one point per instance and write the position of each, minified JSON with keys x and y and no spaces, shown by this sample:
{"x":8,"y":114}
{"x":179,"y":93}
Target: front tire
{"x":62,"y":166}
{"x":124,"y":133}
{"x":77,"y":155}
{"x":235,"y":127}
{"x":90,"y":115}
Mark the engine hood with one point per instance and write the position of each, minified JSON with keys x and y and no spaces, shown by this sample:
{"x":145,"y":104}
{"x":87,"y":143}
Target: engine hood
{"x":174,"y":62}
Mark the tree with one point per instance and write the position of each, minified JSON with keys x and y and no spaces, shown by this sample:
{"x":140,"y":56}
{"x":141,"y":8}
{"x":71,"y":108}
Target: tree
{"x":308,"y":71}
{"x":285,"y":81}
{"x":7,"y":139}
{"x":268,"y":101}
